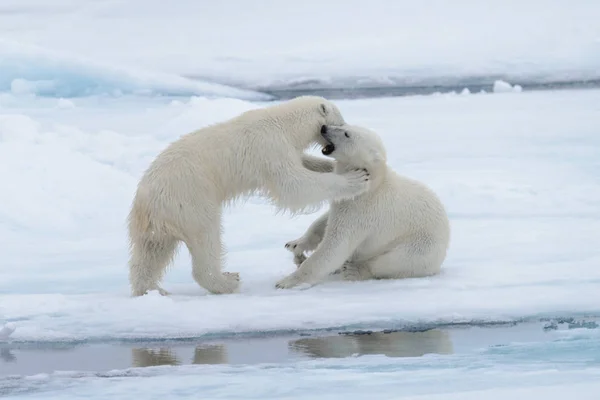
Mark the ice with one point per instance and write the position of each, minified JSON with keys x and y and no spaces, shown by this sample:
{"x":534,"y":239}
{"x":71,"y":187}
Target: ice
{"x":65,"y":103}
{"x":549,"y":370}
{"x":91,"y":91}
{"x":6,"y":331}
{"x":505,"y":87}
{"x":309,"y":43}
{"x":518,"y":175}
{"x":29,"y":70}
{"x":75,"y":180}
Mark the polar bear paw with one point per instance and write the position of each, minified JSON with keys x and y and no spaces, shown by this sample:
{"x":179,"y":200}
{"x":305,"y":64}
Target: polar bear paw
{"x":162,"y":291}
{"x":227,"y":283}
{"x":357,"y":183}
{"x":232,"y":275}
{"x":299,"y":259}
{"x":288,"y":282}
{"x":355,"y":272}
{"x":298,"y":247}
{"x":144,"y":292}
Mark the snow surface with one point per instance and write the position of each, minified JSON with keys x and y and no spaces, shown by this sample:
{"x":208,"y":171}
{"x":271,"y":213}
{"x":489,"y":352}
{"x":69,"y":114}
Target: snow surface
{"x":7,"y":330}
{"x":518,"y":173}
{"x":504,"y":87}
{"x":269,"y":43}
{"x":91,"y":91}
{"x":32,"y":70}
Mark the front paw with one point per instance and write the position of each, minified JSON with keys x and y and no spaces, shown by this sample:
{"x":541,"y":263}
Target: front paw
{"x":357,"y":183}
{"x":162,"y":291}
{"x":288,"y":282}
{"x":299,"y":259}
{"x":296,"y":246}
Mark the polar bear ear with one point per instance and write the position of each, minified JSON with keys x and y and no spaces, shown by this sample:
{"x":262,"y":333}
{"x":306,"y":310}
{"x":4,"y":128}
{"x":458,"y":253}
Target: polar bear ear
{"x":323,"y":109}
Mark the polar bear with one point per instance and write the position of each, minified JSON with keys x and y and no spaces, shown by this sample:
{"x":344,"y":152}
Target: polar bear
{"x":181,"y":195}
{"x":398,"y":229}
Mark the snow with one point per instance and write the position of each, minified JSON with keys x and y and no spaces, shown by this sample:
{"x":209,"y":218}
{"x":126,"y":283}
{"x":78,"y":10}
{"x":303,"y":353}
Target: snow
{"x":65,"y":103}
{"x":270,"y":44}
{"x":518,"y":174}
{"x":6,"y":331}
{"x":31,"y":70}
{"x":505,"y":87}
{"x":91,"y":92}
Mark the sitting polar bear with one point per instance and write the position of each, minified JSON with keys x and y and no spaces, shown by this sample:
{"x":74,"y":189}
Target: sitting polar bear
{"x":181,"y":195}
{"x":398,"y":229}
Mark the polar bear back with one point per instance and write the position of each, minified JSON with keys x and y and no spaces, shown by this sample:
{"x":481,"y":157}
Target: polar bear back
{"x":219,"y":162}
{"x":398,"y":210}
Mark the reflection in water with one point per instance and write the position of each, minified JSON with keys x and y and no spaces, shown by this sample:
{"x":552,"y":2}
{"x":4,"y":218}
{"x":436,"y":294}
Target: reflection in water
{"x":35,"y":358}
{"x":393,"y":344}
{"x":214,"y":354}
{"x":151,"y":357}
{"x":206,"y":354}
{"x":7,"y":356}
{"x":32,"y":358}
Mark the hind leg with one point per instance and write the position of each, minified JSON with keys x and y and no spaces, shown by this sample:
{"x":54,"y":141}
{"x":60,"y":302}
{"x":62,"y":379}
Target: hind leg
{"x":355,"y":271}
{"x":407,"y":262}
{"x":206,"y":249}
{"x":149,"y":260}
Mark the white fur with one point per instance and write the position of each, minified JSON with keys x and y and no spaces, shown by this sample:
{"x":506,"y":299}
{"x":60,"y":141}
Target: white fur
{"x":398,"y":229}
{"x":181,"y":195}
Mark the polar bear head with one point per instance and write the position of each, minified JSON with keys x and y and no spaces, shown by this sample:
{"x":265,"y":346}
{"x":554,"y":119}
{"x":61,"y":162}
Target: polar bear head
{"x":304,"y":115}
{"x":353,"y":145}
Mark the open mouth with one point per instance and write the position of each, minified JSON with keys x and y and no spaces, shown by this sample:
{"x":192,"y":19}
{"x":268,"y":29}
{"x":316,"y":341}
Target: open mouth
{"x":328,"y":149}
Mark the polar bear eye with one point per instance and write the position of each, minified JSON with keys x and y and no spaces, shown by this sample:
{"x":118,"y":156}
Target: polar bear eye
{"x":346,"y":134}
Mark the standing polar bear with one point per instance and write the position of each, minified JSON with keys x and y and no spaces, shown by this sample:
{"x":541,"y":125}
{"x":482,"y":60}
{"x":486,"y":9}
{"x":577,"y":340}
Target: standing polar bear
{"x":181,"y":195}
{"x":398,"y":229}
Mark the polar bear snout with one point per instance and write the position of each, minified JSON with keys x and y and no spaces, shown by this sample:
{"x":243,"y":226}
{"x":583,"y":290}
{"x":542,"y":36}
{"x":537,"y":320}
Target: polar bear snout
{"x":329,"y":147}
{"x":352,"y":144}
{"x":331,"y":131}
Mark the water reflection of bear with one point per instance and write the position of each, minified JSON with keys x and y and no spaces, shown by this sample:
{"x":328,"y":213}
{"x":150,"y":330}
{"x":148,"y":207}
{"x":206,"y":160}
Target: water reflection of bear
{"x":7,"y":355}
{"x":206,"y":354}
{"x":393,"y":344}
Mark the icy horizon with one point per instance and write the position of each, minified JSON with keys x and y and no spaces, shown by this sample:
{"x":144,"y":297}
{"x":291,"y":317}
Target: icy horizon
{"x":304,"y":46}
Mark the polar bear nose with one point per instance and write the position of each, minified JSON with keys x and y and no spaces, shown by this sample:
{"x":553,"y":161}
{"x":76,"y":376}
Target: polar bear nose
{"x":323,"y":129}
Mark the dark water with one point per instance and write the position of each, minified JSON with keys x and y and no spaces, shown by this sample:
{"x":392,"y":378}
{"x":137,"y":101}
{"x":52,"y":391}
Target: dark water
{"x":334,"y":93}
{"x":31,"y":358}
